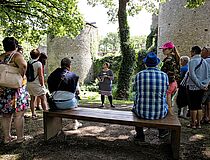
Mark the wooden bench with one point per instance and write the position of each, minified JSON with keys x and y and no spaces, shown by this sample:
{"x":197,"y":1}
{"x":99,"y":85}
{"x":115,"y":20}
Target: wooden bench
{"x":53,"y":122}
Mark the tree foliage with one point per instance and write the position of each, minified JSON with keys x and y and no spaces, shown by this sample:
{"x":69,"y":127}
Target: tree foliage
{"x":119,"y":10}
{"x":29,"y":19}
{"x":124,"y":8}
{"x":195,"y":3}
{"x":110,"y":43}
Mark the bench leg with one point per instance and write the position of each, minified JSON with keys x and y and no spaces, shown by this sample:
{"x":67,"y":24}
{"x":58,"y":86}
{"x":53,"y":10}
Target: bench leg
{"x":52,"y":125}
{"x":175,"y":142}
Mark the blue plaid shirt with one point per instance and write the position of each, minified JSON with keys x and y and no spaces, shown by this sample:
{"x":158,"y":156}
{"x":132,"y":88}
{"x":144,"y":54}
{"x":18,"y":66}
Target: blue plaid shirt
{"x":150,"y":88}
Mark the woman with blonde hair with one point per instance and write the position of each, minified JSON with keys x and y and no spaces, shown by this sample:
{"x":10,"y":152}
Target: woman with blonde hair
{"x":171,"y":66}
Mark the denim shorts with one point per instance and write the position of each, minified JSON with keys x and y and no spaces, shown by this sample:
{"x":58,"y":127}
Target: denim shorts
{"x":69,"y":104}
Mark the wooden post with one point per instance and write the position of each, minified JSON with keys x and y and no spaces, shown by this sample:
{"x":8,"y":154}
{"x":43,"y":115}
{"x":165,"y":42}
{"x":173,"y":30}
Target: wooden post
{"x":175,"y":142}
{"x":52,"y":125}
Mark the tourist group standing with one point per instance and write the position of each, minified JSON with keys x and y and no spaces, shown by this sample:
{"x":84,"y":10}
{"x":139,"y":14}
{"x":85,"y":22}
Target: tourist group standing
{"x":154,"y":87}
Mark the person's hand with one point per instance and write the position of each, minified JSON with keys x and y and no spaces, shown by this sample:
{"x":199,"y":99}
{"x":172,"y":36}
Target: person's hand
{"x":205,"y":88}
{"x":77,"y":92}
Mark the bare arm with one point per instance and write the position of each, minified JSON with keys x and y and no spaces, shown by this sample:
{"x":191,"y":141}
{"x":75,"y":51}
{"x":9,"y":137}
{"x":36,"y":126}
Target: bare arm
{"x":40,"y":76}
{"x":21,"y":63}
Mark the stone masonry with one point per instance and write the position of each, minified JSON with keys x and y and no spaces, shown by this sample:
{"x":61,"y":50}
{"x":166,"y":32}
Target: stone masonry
{"x":80,"y":50}
{"x":183,"y":26}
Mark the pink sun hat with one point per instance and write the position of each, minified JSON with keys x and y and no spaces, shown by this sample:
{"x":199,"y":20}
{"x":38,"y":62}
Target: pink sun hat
{"x":167,"y":45}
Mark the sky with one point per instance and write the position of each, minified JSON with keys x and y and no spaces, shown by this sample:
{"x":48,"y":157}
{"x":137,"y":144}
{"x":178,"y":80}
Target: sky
{"x":139,"y":24}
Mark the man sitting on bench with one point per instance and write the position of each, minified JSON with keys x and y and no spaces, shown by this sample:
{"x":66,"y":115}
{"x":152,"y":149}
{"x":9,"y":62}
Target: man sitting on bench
{"x":63,"y":84}
{"x":150,"y":86}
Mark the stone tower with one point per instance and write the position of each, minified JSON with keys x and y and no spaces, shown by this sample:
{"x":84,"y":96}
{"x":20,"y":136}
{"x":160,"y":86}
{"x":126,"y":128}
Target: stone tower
{"x":183,"y":26}
{"x":80,"y":50}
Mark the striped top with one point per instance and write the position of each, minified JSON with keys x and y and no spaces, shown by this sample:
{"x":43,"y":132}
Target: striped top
{"x":150,"y":88}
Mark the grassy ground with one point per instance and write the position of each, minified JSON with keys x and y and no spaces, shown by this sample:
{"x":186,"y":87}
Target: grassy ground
{"x":94,"y":98}
{"x":101,"y":141}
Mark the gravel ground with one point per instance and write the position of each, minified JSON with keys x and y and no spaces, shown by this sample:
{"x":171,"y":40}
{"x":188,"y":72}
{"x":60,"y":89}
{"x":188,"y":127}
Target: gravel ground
{"x":101,"y":141}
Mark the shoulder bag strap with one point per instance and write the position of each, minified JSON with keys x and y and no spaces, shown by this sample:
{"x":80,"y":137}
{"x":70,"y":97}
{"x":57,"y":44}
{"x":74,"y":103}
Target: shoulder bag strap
{"x":10,"y":57}
{"x":183,"y":83}
{"x":62,"y":78}
{"x":196,"y":67}
{"x":199,"y":64}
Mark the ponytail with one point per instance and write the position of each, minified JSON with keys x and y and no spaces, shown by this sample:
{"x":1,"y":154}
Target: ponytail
{"x":177,"y":55}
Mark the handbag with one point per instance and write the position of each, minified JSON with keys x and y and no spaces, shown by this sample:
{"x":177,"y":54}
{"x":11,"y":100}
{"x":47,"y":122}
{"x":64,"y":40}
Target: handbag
{"x":50,"y":100}
{"x":10,"y":76}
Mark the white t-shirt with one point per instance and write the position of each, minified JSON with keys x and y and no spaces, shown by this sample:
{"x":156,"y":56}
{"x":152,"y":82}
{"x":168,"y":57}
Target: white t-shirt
{"x":35,"y":87}
{"x":36,"y":66}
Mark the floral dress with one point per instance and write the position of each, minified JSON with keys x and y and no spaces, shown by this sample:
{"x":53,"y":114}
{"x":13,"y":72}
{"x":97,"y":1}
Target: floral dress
{"x":13,"y":100}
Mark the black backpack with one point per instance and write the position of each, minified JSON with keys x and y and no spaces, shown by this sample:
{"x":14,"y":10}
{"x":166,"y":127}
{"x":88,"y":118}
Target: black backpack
{"x":30,"y":72}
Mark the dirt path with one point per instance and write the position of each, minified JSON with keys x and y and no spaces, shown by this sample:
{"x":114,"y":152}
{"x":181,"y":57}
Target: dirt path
{"x":100,"y":141}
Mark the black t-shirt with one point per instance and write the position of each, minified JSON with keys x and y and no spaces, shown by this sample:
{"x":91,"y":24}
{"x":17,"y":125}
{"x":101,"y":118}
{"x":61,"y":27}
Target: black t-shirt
{"x":62,"y":80}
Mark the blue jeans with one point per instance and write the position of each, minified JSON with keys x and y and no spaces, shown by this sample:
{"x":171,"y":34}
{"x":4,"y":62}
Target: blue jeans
{"x":69,"y":104}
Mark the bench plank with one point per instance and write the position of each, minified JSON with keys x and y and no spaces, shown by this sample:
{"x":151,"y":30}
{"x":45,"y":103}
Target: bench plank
{"x":53,"y":122}
{"x":116,"y":117}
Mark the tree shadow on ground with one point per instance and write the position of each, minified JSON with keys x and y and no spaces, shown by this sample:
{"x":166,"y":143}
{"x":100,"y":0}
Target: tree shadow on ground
{"x":101,"y":141}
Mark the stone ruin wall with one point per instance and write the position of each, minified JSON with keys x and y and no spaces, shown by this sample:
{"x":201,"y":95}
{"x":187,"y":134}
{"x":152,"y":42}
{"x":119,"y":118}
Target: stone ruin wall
{"x":185,"y":27}
{"x":80,"y":51}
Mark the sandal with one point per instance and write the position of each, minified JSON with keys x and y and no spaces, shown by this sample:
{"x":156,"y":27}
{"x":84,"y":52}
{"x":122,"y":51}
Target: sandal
{"x":199,"y":126}
{"x":20,"y":140}
{"x":26,"y":116}
{"x":191,"y":126}
{"x":205,"y":121}
{"x":34,"y":116}
{"x":11,"y":139}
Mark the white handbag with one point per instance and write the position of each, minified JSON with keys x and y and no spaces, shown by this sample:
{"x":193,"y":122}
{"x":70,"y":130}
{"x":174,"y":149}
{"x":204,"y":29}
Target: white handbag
{"x":10,"y":76}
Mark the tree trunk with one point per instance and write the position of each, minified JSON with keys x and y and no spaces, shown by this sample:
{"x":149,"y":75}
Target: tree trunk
{"x":128,"y":54}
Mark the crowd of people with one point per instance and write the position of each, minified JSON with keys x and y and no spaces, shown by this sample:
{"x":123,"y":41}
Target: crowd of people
{"x":154,"y":87}
{"x":62,"y":84}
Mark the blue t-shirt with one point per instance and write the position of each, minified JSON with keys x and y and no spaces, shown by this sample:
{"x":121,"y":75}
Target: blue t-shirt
{"x":183,"y":70}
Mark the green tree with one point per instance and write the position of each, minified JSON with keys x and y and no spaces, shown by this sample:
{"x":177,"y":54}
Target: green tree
{"x":110,"y":43}
{"x":123,"y":9}
{"x":29,"y":19}
{"x":138,"y":42}
{"x":195,"y":3}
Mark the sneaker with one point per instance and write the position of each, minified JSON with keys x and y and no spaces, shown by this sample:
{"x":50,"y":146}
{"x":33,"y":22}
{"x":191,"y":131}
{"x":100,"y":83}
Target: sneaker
{"x":76,"y":125}
{"x":163,"y":134}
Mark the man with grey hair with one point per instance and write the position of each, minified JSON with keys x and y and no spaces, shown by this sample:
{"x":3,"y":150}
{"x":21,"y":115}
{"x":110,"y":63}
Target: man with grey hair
{"x":63,"y":84}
